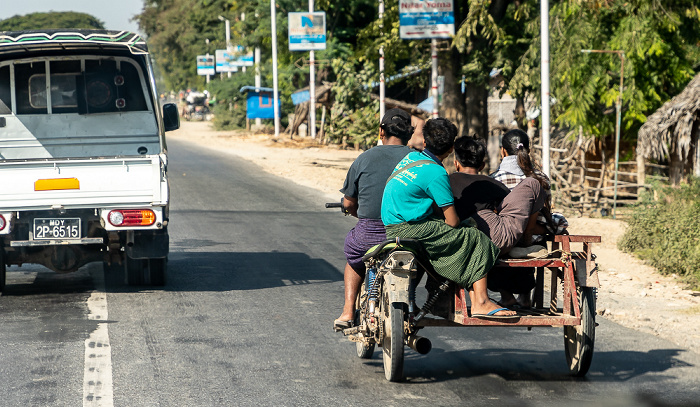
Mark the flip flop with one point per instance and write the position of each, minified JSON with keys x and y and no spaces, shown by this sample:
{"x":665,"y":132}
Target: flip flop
{"x":340,"y":325}
{"x":492,"y":315}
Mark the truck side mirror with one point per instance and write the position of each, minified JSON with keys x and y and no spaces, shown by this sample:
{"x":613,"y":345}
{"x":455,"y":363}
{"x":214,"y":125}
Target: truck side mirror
{"x":171,"y":117}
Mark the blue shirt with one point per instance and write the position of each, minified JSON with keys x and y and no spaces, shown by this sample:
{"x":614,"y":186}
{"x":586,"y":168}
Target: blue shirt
{"x":409,"y":196}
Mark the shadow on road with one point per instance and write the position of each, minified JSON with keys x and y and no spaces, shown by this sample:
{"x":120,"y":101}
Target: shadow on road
{"x":191,"y":271}
{"x":533,"y":365}
{"x":232,"y":271}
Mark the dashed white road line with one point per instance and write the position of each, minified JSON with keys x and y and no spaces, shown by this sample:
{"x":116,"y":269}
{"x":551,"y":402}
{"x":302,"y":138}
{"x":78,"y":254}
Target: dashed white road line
{"x":97,"y":378}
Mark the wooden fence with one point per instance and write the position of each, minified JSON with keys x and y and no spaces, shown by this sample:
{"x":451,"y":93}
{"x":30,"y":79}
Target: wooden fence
{"x":588,"y":185}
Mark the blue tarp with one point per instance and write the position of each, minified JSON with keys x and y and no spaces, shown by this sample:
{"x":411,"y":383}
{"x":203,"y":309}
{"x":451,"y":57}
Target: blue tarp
{"x":301,"y":97}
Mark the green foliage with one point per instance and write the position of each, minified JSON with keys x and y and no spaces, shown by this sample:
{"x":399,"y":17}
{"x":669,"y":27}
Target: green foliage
{"x":666,"y":231}
{"x":660,"y":41}
{"x":53,"y":19}
{"x":230,"y":108}
{"x":354,"y":116}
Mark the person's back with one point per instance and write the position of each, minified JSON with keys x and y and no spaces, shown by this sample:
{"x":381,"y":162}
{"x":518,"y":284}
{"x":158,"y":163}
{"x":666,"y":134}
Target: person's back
{"x":362,"y":190}
{"x":367,"y":177}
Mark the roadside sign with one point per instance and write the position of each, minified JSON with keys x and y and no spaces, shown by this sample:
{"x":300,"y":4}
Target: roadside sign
{"x":224,"y":61}
{"x":307,"y":31}
{"x":420,"y":19}
{"x":241,"y":57}
{"x":205,"y":65}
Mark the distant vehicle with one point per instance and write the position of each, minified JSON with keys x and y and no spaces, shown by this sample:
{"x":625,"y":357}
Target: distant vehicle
{"x":196,"y":106}
{"x":83,"y":158}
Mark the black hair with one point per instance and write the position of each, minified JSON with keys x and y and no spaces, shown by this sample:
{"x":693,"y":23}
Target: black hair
{"x":402,"y":130}
{"x":517,"y":143}
{"x":470,"y":152}
{"x":439,"y":135}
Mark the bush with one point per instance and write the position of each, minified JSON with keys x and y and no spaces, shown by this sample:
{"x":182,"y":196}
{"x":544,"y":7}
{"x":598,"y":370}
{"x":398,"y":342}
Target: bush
{"x":665,"y":231}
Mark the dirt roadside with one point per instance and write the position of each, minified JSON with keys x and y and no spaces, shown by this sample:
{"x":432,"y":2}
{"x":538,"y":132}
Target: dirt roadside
{"x":632,"y":294}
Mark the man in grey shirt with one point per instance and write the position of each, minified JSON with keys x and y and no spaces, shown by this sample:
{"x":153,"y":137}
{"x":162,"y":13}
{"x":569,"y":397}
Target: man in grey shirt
{"x":363,"y":190}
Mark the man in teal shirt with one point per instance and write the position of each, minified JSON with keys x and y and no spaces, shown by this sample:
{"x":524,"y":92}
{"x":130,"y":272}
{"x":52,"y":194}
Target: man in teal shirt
{"x":420,"y":183}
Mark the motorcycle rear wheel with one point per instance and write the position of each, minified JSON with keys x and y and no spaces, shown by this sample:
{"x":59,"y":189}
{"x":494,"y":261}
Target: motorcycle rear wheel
{"x":393,"y":340}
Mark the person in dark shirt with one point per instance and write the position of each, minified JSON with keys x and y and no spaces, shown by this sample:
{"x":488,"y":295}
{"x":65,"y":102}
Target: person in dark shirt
{"x":505,"y":217}
{"x":362,"y":190}
{"x":502,"y":215}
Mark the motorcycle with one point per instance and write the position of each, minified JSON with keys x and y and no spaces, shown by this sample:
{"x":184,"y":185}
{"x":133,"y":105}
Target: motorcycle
{"x":387,"y":315}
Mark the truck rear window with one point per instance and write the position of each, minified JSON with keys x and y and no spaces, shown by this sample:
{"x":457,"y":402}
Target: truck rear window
{"x":101,"y":86}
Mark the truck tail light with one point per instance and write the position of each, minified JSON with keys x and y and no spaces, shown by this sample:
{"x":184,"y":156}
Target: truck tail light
{"x":3,"y":222}
{"x":132,"y":217}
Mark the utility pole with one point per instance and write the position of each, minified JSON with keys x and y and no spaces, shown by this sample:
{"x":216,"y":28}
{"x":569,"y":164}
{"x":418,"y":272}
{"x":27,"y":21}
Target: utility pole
{"x":228,"y":38}
{"x":382,"y":84}
{"x":434,"y":76}
{"x":275,"y":93}
{"x":544,"y":62}
{"x":312,"y":87}
{"x":207,"y":41}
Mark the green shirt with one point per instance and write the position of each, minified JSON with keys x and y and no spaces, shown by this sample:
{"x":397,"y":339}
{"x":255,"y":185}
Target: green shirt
{"x":409,"y":195}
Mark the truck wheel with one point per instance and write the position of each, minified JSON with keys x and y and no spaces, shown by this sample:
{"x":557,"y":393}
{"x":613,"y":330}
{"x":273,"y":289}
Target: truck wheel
{"x":146,"y":271}
{"x":157,"y":269}
{"x":135,"y":270}
{"x":3,"y":270}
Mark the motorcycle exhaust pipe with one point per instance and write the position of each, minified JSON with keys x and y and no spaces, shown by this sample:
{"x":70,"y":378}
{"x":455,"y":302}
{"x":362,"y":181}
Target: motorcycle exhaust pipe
{"x":419,"y":344}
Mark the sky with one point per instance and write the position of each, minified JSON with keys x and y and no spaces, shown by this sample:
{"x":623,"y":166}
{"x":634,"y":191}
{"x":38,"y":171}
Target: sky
{"x":115,"y":14}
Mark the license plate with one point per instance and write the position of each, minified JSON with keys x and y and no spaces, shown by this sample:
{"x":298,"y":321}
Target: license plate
{"x":56,"y":228}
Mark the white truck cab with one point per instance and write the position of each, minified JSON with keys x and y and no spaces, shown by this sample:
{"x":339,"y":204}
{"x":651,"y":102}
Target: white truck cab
{"x":83,"y":158}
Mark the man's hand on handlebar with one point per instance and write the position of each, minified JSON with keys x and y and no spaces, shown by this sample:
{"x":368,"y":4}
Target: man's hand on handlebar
{"x":347,"y":205}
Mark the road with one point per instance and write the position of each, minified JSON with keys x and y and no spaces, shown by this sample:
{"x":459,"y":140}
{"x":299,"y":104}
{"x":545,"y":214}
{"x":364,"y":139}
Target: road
{"x":254,"y":283}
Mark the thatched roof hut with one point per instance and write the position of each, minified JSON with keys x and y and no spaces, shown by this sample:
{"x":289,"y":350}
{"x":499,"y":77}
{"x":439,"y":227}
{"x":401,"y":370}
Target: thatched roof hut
{"x":671,"y":133}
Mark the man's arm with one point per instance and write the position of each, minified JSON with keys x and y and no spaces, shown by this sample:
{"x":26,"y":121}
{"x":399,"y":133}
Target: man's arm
{"x":350,"y":205}
{"x":451,"y":217}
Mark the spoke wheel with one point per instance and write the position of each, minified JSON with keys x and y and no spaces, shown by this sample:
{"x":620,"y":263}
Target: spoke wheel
{"x":392,"y":342}
{"x":579,"y":340}
{"x":365,"y":348}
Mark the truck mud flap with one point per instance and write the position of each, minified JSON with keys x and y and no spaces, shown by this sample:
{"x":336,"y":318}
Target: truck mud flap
{"x":147,"y":244}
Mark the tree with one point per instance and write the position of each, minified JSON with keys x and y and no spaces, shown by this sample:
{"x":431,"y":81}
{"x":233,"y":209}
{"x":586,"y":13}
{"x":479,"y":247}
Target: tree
{"x":50,"y":20}
{"x":660,"y":40}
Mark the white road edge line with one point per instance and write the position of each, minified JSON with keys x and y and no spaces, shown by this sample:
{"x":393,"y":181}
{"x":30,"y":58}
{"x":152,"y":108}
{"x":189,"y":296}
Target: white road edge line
{"x":97,"y":378}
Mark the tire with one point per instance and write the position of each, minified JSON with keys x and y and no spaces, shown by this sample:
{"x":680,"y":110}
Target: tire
{"x":393,"y":341}
{"x":3,"y":270}
{"x":157,"y":269}
{"x":135,"y":270}
{"x":146,"y":271}
{"x":579,"y":340}
{"x":365,"y":350}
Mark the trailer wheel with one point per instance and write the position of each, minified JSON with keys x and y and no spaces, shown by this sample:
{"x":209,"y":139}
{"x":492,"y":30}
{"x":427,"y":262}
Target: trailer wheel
{"x":579,"y":340}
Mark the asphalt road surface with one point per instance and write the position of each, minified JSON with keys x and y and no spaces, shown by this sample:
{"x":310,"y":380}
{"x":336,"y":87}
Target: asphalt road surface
{"x":254,"y":283}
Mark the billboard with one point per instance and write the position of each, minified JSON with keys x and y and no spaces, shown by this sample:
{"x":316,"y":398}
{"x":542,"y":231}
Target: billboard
{"x":223,"y":61}
{"x":205,"y":65}
{"x":307,"y":31}
{"x":426,"y":19}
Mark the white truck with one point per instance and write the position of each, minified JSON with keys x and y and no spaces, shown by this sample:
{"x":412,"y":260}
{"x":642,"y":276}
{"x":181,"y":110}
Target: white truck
{"x":83,"y":159}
